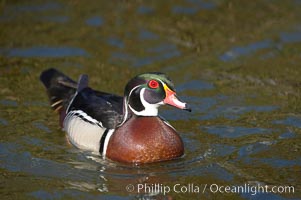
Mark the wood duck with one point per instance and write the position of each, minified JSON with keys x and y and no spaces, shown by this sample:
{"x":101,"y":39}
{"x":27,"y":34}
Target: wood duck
{"x":124,"y":129}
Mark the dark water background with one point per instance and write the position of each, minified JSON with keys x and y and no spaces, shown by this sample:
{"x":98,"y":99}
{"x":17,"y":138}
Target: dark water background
{"x":238,"y":63}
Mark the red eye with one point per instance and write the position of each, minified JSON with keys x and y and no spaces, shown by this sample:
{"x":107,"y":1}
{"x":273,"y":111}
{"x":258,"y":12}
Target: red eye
{"x":153,"y":84}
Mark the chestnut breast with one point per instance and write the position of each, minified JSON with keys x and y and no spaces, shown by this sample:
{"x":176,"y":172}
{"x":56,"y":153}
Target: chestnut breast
{"x":144,"y":140}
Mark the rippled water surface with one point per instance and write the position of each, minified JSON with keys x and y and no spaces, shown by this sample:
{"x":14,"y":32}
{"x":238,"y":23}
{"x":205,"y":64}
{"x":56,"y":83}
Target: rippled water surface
{"x":238,"y":64}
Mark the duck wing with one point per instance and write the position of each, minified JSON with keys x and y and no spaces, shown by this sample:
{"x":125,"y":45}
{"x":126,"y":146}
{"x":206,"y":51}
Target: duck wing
{"x":67,"y":95}
{"x":103,"y":107}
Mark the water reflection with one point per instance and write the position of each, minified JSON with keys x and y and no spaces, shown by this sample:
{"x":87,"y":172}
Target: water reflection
{"x":233,"y":112}
{"x":115,"y":42}
{"x":3,"y":122}
{"x":44,"y":51}
{"x":144,"y":9}
{"x":280,"y":163}
{"x":254,"y":148}
{"x":57,"y":19}
{"x":160,"y":54}
{"x":41,"y":126}
{"x":194,"y":85}
{"x":147,"y":35}
{"x":290,"y":37}
{"x":48,"y":6}
{"x":212,"y":107}
{"x":290,"y":121}
{"x":184,"y":10}
{"x":234,"y":132}
{"x":12,"y":12}
{"x":86,"y":172}
{"x":285,"y":38}
{"x":223,"y":150}
{"x":7,"y":102}
{"x":245,"y":50}
{"x":95,"y":21}
{"x":193,"y":7}
{"x":287,"y":135}
{"x":265,"y":196}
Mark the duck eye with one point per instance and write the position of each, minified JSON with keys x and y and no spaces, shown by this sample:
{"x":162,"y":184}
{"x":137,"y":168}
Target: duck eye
{"x":153,"y":84}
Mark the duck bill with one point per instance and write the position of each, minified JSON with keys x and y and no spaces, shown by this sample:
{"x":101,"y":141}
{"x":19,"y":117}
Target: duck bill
{"x":172,"y":100}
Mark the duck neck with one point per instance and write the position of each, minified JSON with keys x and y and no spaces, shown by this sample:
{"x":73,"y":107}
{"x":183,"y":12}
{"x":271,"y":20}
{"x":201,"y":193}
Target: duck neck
{"x":147,"y":112}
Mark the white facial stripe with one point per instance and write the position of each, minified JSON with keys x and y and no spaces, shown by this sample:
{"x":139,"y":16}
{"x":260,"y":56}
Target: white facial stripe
{"x":127,"y":103}
{"x":162,"y":82}
{"x":133,"y":90}
{"x":150,"y":109}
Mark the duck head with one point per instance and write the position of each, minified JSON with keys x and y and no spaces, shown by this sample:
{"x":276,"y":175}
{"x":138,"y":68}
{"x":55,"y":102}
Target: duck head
{"x":145,"y":93}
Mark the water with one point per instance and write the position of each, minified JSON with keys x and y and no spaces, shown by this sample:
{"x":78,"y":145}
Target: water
{"x":43,"y":51}
{"x":237,"y":65}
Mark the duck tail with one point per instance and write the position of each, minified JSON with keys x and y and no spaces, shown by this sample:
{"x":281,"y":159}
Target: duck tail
{"x":60,"y":88}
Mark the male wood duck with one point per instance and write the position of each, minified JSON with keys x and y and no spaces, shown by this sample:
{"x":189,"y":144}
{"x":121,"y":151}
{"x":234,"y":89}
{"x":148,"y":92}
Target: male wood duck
{"x":125,"y":129}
